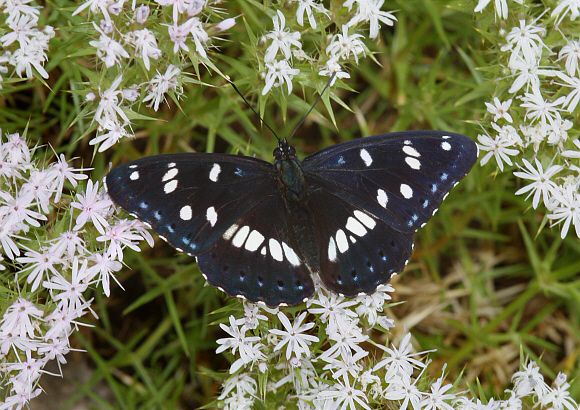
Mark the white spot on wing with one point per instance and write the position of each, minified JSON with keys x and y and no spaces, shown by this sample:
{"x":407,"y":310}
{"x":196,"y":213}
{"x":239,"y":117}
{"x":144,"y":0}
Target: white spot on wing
{"x":406,"y":191}
{"x":215,"y":171}
{"x":170,"y":186}
{"x":332,"y":250}
{"x":275,"y":249}
{"x":169,"y":174}
{"x":355,"y":226}
{"x":341,"y":241}
{"x":185,"y":213}
{"x":365,"y":219}
{"x":407,"y":149}
{"x":366,"y":157}
{"x":413,"y":162}
{"x":263,"y":251}
{"x":134,"y":175}
{"x":290,"y":255}
{"x":254,"y":241}
{"x":171,"y":165}
{"x":211,"y":215}
{"x":446,"y":137}
{"x":230,"y":232}
{"x":241,"y":236}
{"x":446,"y":146}
{"x":382,"y":198}
{"x":132,"y":166}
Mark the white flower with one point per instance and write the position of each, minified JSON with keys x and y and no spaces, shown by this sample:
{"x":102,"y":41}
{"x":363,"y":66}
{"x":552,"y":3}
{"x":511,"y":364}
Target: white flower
{"x":200,"y":37}
{"x":400,"y":362}
{"x":145,"y":45}
{"x":571,"y":52}
{"x":278,"y":73}
{"x":370,"y":11}
{"x":525,"y":42}
{"x":141,"y":14}
{"x":178,"y":35}
{"x":109,"y":108}
{"x":558,"y":133}
{"x":95,"y":6}
{"x":226,"y":24}
{"x":332,"y":67}
{"x":559,"y":396}
{"x":333,"y":310}
{"x":293,"y":338}
{"x":179,"y":6}
{"x":108,"y":134}
{"x":343,"y":45}
{"x":538,"y":108}
{"x":28,"y":56}
{"x":571,"y":100}
{"x":499,"y":109}
{"x":346,"y":395}
{"x":542,"y":186}
{"x":108,"y":49}
{"x":530,"y":380}
{"x":282,"y":39}
{"x":527,"y":73}
{"x":498,"y":147}
{"x":92,"y":207}
{"x":238,"y":341}
{"x":40,"y":263}
{"x":501,"y":7}
{"x":436,"y":398}
{"x":401,"y":388}
{"x":308,"y":7}
{"x":18,"y":318}
{"x":161,"y":84}
{"x":70,"y":293}
{"x":61,"y":171}
{"x":564,"y":7}
{"x":566,"y":208}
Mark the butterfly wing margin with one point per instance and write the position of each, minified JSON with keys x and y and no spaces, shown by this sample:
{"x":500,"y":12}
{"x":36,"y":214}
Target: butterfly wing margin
{"x":190,"y":200}
{"x":400,"y":178}
{"x":257,"y":259}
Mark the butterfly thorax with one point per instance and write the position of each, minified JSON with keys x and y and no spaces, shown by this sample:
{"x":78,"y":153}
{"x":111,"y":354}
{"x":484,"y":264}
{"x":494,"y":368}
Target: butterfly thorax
{"x":290,"y":172}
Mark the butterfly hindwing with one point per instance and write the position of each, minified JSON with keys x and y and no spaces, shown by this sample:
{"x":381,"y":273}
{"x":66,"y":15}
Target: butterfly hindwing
{"x":400,"y":178}
{"x":257,"y":258}
{"x":358,"y":251}
{"x":191,"y":199}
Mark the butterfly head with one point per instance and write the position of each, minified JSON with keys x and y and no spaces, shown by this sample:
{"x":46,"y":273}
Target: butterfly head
{"x":284,"y":151}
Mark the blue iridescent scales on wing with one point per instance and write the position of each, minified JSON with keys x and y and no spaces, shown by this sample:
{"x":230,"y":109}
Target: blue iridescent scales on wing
{"x":347,"y":213}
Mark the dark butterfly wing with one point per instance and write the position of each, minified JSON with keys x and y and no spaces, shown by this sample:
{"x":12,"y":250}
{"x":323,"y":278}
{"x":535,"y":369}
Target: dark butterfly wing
{"x":257,"y":259}
{"x":217,"y":207}
{"x":358,"y":251}
{"x":400,"y":178}
{"x":394,"y":183}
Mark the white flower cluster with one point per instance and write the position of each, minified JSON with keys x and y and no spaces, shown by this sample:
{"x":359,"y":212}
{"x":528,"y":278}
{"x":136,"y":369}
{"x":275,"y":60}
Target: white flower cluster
{"x":284,"y":44}
{"x":24,"y":46}
{"x":118,"y":48}
{"x":55,"y":265}
{"x":332,"y":369}
{"x":540,"y":112}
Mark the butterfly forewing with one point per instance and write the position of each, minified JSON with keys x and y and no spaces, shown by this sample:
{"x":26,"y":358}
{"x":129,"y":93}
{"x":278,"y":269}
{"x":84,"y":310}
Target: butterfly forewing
{"x":191,"y":199}
{"x":400,"y":178}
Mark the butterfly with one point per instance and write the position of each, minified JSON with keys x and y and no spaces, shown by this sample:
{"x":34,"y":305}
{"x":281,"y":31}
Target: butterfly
{"x":260,"y":231}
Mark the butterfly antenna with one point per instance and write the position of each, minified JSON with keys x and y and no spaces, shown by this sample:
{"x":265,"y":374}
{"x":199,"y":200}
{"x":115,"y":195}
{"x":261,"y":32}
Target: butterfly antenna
{"x":314,"y":105}
{"x":251,"y":108}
